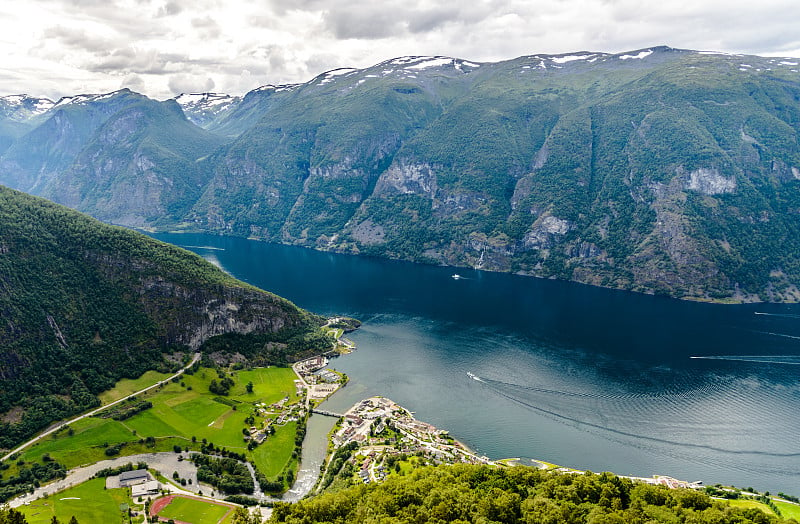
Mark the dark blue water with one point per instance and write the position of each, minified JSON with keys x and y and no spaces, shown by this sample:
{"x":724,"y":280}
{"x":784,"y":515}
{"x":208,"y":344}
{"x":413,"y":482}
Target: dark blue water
{"x":579,"y":376}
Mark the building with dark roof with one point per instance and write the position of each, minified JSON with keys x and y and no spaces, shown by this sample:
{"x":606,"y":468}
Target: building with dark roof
{"x":130,"y":478}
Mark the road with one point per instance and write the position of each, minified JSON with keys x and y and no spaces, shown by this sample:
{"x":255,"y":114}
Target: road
{"x":97,"y":410}
{"x":165,"y":463}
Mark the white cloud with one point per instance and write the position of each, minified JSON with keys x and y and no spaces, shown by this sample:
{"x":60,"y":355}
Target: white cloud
{"x":182,"y":83}
{"x":55,"y":47}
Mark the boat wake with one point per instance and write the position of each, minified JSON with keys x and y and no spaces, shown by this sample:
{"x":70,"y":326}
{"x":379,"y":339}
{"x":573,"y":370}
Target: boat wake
{"x":784,"y":315}
{"x":778,"y":334}
{"x":791,"y":360}
{"x":204,"y":247}
{"x":474,"y":376}
{"x":637,"y":419}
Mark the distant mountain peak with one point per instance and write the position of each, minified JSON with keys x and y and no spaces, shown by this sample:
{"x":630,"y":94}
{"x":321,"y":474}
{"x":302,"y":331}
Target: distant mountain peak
{"x":86,"y":98}
{"x":203,"y":108}
{"x":205,"y":98}
{"x":421,"y":62}
{"x":22,"y":107}
{"x":276,"y":87}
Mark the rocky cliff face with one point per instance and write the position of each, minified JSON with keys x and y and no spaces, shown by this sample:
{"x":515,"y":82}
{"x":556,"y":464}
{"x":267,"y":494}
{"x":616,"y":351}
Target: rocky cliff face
{"x":198,"y":314}
{"x":85,"y":304}
{"x":659,"y":171}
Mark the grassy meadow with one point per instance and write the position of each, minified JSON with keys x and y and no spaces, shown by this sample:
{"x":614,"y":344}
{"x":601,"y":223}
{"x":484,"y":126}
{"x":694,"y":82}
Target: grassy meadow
{"x":88,"y":502}
{"x":184,"y":413}
{"x":126,"y":386}
{"x":788,"y":510}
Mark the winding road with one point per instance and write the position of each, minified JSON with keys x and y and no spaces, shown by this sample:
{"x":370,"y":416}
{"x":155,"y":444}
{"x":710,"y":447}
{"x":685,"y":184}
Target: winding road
{"x":60,"y":425}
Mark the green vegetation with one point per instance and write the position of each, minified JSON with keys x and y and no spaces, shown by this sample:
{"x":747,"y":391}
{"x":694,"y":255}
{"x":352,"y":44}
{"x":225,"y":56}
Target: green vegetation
{"x":675,"y":174}
{"x":788,"y":510}
{"x":185,"y":415}
{"x":24,"y":477}
{"x":194,"y":511}
{"x":88,"y":304}
{"x":227,"y":475}
{"x":750,"y":503}
{"x":127,"y":386}
{"x":88,"y":502}
{"x":463,"y":493}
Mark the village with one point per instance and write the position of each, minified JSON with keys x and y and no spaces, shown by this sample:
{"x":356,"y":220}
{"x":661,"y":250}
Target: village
{"x":384,"y":432}
{"x":315,"y":381}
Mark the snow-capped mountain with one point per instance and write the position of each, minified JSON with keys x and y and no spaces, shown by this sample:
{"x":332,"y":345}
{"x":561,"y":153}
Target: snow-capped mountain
{"x":21,"y":108}
{"x":204,"y":108}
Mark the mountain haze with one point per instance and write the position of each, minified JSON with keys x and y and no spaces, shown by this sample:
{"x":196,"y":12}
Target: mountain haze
{"x":658,"y":170}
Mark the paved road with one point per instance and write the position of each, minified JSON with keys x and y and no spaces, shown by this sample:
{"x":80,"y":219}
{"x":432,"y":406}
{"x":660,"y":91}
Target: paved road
{"x":97,"y":410}
{"x":165,"y":463}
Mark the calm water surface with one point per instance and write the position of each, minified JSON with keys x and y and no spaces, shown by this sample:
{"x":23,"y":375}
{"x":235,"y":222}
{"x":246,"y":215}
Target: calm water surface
{"x":579,"y":376}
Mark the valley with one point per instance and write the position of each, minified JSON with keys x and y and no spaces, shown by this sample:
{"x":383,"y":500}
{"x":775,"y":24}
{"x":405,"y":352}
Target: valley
{"x":622,"y":181}
{"x":659,"y":170}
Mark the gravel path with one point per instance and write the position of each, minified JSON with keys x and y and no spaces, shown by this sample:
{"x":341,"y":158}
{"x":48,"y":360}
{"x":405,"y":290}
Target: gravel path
{"x":165,"y":463}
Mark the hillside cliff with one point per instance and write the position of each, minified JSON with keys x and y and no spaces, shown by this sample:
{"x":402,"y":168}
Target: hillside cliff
{"x":85,"y":304}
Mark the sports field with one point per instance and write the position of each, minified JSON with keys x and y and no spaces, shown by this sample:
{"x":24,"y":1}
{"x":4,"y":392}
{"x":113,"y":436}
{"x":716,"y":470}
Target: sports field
{"x":88,"y":502}
{"x":192,"y":510}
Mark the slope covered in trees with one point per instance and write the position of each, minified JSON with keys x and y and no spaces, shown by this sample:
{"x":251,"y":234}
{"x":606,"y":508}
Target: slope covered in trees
{"x":659,"y":170}
{"x":84,"y":304}
{"x":464,"y":493}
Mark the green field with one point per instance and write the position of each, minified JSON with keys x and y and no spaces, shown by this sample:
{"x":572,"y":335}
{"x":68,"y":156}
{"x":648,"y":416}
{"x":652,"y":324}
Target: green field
{"x":746,"y":503}
{"x":788,"y":510}
{"x":273,"y":458}
{"x":182,"y":410}
{"x":89,"y":502}
{"x":194,"y":511}
{"x":125,"y":387}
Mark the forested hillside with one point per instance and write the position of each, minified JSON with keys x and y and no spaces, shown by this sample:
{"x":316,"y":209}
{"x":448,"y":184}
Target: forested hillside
{"x":484,"y":494}
{"x":84,"y":304}
{"x":659,"y":170}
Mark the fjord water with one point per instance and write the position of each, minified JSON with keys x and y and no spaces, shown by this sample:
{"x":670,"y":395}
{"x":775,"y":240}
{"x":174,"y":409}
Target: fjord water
{"x":579,"y":376}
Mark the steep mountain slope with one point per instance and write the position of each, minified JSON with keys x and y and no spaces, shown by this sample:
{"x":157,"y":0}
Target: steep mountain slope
{"x":49,"y":149}
{"x":84,"y":304}
{"x":140,"y":167}
{"x":18,"y":114}
{"x":302,"y":171}
{"x":658,"y":170}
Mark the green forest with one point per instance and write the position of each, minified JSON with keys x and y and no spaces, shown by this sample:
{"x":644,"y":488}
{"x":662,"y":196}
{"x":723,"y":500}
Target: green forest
{"x":481,"y":494}
{"x":85,"y":304}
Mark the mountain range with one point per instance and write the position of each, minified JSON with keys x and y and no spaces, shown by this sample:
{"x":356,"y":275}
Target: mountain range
{"x":658,"y":170}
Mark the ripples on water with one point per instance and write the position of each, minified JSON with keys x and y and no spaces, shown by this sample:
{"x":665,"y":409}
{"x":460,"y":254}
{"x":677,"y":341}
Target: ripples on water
{"x":580,"y":376}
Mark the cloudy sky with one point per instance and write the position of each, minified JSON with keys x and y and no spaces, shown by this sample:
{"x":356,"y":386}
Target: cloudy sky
{"x":164,"y":47}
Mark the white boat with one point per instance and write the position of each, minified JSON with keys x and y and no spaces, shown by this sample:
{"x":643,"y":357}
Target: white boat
{"x":456,"y":276}
{"x":473,"y":376}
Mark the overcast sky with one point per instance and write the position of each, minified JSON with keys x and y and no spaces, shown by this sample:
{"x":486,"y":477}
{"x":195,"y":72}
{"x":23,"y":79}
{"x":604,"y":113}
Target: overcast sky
{"x":164,"y":47}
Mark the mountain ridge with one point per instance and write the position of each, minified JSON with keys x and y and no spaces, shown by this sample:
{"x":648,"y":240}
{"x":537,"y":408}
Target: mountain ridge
{"x":657,"y":170}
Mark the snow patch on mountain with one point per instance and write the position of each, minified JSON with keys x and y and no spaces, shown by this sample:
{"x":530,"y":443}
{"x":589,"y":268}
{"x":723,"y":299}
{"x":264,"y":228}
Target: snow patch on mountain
{"x":637,"y":56}
{"x":432,"y":62}
{"x":328,"y":76}
{"x":563,"y":59}
{"x":22,"y":108}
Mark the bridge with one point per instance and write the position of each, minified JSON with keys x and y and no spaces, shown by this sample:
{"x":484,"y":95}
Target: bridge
{"x":326,"y":413}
